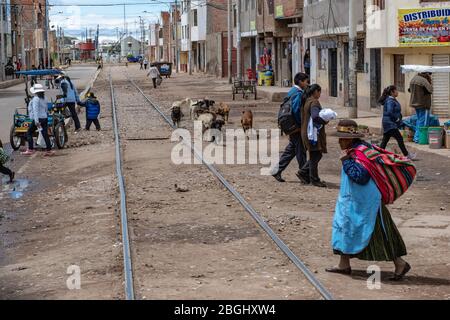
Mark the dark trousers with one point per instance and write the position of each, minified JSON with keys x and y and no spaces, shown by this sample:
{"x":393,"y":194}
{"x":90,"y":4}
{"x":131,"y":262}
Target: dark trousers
{"x":311,"y":168}
{"x":154,"y":82}
{"x":145,"y":66}
{"x":95,"y":122}
{"x":73,"y":113}
{"x":394,"y":133}
{"x":295,"y":149}
{"x":32,"y":129}
{"x":5,"y":170}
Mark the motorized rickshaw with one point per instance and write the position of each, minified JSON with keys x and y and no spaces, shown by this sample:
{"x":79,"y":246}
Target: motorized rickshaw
{"x":21,"y":120}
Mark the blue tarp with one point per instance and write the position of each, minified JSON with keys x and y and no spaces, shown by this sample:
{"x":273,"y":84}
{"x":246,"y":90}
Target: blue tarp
{"x":40,"y":72}
{"x":410,"y":122}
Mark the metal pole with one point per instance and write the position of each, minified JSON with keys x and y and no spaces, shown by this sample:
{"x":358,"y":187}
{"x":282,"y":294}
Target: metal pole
{"x":2,"y":40}
{"x":353,"y":55}
{"x":22,"y":40}
{"x":177,"y":56}
{"x":230,"y":65}
{"x":47,"y":34}
{"x":238,"y":38}
{"x":189,"y":42}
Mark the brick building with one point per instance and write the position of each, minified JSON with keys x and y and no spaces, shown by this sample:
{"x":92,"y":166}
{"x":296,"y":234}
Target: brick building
{"x":28,"y":19}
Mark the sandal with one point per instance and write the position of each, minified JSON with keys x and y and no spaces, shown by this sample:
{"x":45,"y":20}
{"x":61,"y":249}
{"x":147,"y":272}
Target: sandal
{"x":399,"y":277}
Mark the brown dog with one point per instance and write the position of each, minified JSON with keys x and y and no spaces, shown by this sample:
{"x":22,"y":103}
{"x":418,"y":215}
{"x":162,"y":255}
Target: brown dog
{"x":224,"y":111}
{"x":247,"y":120}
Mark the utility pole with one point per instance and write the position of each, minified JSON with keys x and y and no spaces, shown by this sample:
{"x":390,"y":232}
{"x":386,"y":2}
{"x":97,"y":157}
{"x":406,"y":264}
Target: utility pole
{"x":353,"y":56}
{"x":230,"y":45}
{"x":22,"y":40}
{"x":189,"y":41}
{"x":238,"y":38}
{"x":2,"y":40}
{"x":47,"y":34}
{"x":176,"y":36}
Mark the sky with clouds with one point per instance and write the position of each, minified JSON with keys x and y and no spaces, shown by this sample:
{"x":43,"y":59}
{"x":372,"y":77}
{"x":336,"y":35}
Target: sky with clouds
{"x":74,"y":16}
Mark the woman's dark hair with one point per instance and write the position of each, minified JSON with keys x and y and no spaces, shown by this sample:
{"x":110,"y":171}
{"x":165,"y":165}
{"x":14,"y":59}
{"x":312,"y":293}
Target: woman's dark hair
{"x":310,"y":91}
{"x":300,"y":77}
{"x":386,"y":93}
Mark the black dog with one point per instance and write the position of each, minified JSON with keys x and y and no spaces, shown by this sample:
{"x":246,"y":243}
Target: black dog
{"x":176,"y":116}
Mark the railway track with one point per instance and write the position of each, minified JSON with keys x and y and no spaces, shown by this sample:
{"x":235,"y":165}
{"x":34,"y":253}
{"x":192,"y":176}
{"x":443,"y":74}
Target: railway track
{"x":127,"y":258}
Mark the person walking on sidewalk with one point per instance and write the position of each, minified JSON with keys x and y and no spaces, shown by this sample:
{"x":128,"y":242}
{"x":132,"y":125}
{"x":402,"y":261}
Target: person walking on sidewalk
{"x":3,"y":159}
{"x":311,"y":108}
{"x":39,"y":115}
{"x":392,"y":120}
{"x":145,"y":63}
{"x":70,"y":95}
{"x":153,"y":73}
{"x":421,"y":89}
{"x":141,"y":62}
{"x":92,"y":111}
{"x":295,"y":148}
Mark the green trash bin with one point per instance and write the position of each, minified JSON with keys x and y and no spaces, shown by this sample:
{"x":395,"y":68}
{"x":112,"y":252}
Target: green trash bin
{"x":423,"y":135}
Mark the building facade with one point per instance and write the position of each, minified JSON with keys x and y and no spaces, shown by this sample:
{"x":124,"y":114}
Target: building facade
{"x":326,"y":27}
{"x":418,"y":35}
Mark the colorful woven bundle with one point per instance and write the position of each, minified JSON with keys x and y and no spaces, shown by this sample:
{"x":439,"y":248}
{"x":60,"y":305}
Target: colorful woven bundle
{"x":392,"y":174}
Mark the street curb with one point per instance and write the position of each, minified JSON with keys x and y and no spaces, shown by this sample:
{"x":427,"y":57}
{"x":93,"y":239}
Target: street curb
{"x":10,"y":83}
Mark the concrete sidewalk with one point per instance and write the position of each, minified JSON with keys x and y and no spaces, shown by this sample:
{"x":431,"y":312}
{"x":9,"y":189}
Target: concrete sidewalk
{"x":10,"y":83}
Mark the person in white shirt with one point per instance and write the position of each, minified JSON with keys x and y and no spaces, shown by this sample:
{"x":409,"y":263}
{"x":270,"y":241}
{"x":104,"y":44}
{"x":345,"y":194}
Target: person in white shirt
{"x":154,"y":74}
{"x":39,"y":114}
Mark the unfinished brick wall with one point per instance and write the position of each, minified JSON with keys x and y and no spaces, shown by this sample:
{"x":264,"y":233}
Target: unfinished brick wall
{"x":217,"y":19}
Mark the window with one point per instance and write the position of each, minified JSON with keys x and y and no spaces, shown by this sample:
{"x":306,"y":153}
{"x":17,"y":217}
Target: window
{"x":380,"y":4}
{"x":234,"y":16}
{"x":270,"y":6}
{"x":194,"y":13}
{"x":160,"y":33}
{"x":360,"y":62}
{"x":399,"y":77}
{"x":260,"y":7}
{"x":253,"y":4}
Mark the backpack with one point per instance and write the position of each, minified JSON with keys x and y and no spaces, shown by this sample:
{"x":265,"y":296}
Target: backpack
{"x":286,"y":118}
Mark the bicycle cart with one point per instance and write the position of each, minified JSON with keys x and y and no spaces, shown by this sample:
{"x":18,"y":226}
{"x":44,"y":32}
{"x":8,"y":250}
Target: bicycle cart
{"x":244,"y":87}
{"x":164,"y":68}
{"x":21,"y":120}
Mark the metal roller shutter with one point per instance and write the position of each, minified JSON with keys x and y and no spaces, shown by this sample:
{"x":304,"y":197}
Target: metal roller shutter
{"x":441,"y":87}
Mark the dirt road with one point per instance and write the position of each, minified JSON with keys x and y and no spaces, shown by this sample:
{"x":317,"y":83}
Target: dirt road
{"x":199,"y":243}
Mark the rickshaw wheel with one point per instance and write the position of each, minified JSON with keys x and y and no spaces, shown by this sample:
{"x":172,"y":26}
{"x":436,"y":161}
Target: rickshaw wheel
{"x":60,"y":136}
{"x":14,"y":139}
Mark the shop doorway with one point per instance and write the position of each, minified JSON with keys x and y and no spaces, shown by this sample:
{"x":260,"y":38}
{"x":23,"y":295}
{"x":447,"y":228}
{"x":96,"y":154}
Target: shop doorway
{"x":375,"y":77}
{"x":333,"y":71}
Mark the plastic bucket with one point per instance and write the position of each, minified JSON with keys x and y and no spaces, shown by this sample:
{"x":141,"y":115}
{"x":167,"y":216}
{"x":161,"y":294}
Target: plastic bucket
{"x":423,"y":135}
{"x":447,"y":139}
{"x":435,"y":137}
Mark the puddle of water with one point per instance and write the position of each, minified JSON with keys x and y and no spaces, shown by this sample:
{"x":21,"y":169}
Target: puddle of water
{"x":17,"y":189}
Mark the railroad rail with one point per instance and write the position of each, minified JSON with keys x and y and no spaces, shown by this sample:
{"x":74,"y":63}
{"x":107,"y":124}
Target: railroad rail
{"x":128,"y":270}
{"x":254,"y":214}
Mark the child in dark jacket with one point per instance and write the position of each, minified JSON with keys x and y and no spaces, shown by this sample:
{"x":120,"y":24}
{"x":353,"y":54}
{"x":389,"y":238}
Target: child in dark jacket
{"x":92,"y":111}
{"x":392,"y":120}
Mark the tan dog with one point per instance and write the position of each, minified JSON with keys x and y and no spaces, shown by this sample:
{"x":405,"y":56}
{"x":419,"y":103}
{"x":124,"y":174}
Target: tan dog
{"x":224,"y":111}
{"x":247,"y":120}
